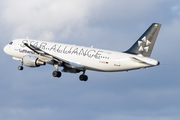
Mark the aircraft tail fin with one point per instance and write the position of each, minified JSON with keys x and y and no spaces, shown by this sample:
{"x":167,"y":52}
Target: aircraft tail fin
{"x":144,"y":45}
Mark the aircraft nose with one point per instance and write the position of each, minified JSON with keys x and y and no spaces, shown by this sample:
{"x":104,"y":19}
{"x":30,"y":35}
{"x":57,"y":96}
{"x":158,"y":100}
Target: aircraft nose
{"x":6,"y":49}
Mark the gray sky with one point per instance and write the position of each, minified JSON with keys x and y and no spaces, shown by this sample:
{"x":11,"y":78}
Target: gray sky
{"x":33,"y":94}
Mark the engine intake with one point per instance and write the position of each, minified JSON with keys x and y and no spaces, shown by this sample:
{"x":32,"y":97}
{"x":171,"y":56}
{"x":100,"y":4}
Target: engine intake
{"x":32,"y":61}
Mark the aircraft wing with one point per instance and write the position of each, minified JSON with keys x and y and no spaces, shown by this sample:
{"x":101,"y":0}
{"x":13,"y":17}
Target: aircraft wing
{"x":44,"y":55}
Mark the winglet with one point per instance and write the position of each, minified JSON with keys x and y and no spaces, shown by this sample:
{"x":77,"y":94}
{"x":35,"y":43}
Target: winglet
{"x":144,"y":45}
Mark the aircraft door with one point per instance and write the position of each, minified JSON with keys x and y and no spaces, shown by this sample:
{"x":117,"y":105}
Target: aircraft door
{"x":117,"y":61}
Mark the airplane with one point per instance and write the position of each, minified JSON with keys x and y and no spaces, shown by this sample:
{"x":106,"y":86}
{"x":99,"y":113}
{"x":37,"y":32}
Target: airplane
{"x":75,"y":59}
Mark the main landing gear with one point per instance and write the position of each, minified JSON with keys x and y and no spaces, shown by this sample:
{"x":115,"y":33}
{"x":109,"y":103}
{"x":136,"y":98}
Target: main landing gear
{"x":83,"y":77}
{"x":56,"y":73}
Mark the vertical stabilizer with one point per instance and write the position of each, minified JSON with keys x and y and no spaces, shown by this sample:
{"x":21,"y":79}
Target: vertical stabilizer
{"x":144,"y":45}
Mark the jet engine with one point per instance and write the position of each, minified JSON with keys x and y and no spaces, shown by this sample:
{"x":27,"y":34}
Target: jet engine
{"x":32,"y":61}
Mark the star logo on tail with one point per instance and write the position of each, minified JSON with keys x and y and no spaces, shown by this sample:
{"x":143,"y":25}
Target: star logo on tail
{"x":144,"y":44}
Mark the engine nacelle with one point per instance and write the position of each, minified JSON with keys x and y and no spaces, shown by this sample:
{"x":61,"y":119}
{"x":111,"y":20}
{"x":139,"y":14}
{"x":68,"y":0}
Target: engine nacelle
{"x":71,"y":70}
{"x":32,"y":61}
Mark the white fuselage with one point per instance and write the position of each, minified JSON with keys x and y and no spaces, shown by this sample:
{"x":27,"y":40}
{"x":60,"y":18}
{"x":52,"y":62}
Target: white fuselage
{"x":89,"y":58}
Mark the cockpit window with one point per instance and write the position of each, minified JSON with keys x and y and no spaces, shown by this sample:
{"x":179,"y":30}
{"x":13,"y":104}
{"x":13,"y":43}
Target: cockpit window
{"x":11,"y":43}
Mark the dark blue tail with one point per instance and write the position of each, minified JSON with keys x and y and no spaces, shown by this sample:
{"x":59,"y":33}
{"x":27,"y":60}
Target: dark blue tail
{"x":144,"y":45}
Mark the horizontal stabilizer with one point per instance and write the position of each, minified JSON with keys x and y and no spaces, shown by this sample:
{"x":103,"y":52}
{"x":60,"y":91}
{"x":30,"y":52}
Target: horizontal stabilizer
{"x":139,"y":61}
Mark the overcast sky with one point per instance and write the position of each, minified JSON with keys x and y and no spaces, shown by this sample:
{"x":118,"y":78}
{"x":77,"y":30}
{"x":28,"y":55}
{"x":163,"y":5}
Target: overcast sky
{"x":148,"y":94}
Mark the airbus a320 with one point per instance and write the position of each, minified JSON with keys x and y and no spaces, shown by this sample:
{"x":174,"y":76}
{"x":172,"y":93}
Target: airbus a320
{"x":75,"y":59}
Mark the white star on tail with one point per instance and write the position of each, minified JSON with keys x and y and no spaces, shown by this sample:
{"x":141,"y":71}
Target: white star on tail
{"x":146,"y":47}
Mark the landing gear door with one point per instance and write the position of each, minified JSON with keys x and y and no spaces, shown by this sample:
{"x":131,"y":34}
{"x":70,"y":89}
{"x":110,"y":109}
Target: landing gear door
{"x":117,"y":61}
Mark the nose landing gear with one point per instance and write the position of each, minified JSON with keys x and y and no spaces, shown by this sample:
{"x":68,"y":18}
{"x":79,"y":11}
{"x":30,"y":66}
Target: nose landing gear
{"x":21,"y":67}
